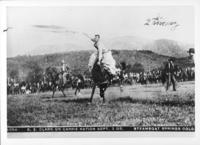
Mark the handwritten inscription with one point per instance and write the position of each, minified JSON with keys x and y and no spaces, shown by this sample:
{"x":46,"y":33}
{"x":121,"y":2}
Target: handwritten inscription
{"x":161,"y":21}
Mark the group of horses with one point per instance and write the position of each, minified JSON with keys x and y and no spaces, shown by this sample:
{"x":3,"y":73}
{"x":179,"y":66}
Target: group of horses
{"x":100,"y":78}
{"x":53,"y":75}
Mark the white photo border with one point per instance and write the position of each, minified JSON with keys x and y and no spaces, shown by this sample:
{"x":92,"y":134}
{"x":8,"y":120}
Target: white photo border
{"x":97,"y":137}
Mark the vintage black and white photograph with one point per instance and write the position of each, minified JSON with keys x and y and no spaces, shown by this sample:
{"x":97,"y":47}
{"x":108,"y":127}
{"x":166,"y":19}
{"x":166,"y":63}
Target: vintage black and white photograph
{"x":100,"y":68}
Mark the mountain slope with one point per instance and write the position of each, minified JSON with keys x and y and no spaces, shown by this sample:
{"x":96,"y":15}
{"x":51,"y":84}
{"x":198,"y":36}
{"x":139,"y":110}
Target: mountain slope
{"x":78,"y":60}
{"x":127,"y":43}
{"x":161,"y":46}
{"x":168,"y":47}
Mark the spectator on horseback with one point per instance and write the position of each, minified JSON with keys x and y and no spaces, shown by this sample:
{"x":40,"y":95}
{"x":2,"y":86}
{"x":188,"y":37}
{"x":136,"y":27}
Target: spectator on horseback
{"x":170,"y":71}
{"x":65,"y":71}
{"x":103,"y":57}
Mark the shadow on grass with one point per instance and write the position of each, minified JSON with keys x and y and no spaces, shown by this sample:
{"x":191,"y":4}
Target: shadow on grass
{"x":151,"y":91}
{"x":161,"y":102}
{"x":56,"y":96}
{"x":77,"y":100}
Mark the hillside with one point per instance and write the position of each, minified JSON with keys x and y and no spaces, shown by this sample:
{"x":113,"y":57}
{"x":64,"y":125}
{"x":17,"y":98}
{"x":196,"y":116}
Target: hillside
{"x":127,"y":43}
{"x":77,"y":43}
{"x":160,"y":46}
{"x":168,"y":47}
{"x":78,"y":60}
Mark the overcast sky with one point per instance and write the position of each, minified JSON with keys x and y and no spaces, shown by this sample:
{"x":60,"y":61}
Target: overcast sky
{"x":33,"y":27}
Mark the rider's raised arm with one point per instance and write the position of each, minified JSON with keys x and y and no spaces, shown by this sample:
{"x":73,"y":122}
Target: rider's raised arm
{"x":93,"y":40}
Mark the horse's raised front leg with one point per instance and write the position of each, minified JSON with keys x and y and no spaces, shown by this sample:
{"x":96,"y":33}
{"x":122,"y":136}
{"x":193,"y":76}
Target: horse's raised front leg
{"x":93,"y":90}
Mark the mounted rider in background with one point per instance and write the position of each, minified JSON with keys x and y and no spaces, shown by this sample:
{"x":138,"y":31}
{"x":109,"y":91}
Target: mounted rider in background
{"x":65,"y":71}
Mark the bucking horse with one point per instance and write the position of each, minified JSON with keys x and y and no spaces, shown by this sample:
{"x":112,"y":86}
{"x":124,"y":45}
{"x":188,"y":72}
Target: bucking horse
{"x":102,"y":79}
{"x":55,"y":78}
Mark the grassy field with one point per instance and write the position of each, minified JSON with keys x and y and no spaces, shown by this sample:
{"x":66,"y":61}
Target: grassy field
{"x":137,"y":105}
